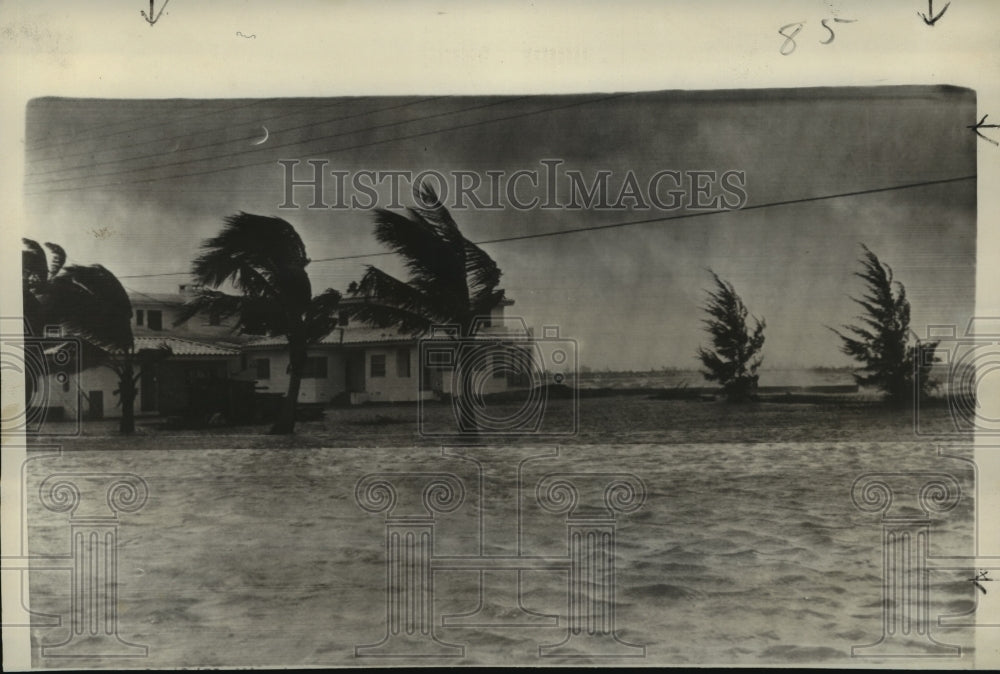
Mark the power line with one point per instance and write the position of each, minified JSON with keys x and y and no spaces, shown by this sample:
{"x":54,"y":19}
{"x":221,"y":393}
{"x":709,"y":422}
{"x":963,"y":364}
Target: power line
{"x":682,"y":216}
{"x":73,"y":136}
{"x":198,"y":147}
{"x":271,"y":147}
{"x":139,"y":128}
{"x":327,"y":151}
{"x":173,"y":121}
{"x":133,"y":290}
{"x":645,"y":221}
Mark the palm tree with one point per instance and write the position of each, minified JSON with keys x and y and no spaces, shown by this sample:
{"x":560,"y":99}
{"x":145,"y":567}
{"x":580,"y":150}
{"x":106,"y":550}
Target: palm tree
{"x":91,"y":303}
{"x":452,"y":280}
{"x":38,"y":268}
{"x":265,"y":260}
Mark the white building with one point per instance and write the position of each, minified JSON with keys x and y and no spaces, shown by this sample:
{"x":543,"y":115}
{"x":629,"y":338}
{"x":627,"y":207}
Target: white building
{"x":212,"y":368}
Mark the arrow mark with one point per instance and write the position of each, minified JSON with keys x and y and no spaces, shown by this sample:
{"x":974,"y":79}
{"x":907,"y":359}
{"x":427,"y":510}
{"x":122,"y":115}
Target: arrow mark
{"x":983,"y":125}
{"x":929,"y":18}
{"x":151,"y":19}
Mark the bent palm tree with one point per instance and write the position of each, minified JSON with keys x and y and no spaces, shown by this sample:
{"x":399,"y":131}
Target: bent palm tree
{"x":265,"y":260}
{"x":90,"y":303}
{"x":452,"y":280}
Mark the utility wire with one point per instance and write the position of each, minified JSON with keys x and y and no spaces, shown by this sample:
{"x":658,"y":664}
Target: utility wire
{"x":645,"y":221}
{"x":331,"y":150}
{"x":283,"y":145}
{"x":60,"y":141}
{"x":255,"y":123}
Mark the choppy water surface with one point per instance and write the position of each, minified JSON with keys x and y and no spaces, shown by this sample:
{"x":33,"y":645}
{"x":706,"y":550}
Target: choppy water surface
{"x":748,"y":554}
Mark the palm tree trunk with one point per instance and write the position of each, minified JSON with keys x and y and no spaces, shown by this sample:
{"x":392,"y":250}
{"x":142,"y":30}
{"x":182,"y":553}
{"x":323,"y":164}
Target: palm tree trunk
{"x":285,"y":424}
{"x":126,"y":389}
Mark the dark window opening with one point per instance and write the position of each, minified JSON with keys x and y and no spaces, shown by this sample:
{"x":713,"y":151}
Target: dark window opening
{"x":155,"y":320}
{"x":138,"y":316}
{"x":263,"y":367}
{"x":403,"y":363}
{"x":378,"y":365}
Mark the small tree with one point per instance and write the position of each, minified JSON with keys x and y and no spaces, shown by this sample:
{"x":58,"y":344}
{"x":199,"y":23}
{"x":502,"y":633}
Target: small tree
{"x":91,"y":303}
{"x":734,"y":361}
{"x":882,"y":344}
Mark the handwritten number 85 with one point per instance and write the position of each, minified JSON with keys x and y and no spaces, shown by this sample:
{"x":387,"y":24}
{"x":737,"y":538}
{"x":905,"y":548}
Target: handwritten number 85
{"x":788,"y":46}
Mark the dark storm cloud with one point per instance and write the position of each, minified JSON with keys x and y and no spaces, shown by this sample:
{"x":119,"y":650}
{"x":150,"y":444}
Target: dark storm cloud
{"x":161,"y":175}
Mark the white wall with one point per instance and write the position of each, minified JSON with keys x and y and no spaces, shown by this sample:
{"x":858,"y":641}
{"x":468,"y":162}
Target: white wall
{"x":75,"y":405}
{"x":391,"y":388}
{"x":311,"y":390}
{"x":198,"y":325}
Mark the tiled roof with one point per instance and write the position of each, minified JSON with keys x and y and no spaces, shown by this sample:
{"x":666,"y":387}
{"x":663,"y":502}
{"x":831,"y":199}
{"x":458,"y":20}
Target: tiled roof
{"x":344,"y":336}
{"x":364,"y":335}
{"x":143,"y":299}
{"x":369,"y":335}
{"x":186,"y":347}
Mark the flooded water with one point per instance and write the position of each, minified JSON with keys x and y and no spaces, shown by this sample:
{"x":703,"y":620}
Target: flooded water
{"x":675,"y":378}
{"x":740,"y":554}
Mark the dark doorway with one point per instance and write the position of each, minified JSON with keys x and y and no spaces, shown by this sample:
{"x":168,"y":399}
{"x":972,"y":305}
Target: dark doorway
{"x":147,"y":389}
{"x":354,"y":376}
{"x":96,"y":399}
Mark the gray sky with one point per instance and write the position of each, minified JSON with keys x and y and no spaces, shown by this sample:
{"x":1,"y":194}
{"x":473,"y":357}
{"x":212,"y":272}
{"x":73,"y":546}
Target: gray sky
{"x":136,"y":185}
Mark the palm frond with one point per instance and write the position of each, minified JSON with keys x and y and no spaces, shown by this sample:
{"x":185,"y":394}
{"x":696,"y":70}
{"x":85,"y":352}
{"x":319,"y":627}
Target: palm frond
{"x":57,"y":258}
{"x":322,"y":315}
{"x":91,"y":302}
{"x":34,"y":266}
{"x":450,"y":279}
{"x":259,"y":255}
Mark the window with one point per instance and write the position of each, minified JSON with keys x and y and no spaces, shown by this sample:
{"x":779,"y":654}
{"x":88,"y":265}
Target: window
{"x":343,"y":319}
{"x":263,"y":367}
{"x":403,"y":363}
{"x":378,"y":365}
{"x":315,"y":368}
{"x":154,"y":319}
{"x":138,"y":316}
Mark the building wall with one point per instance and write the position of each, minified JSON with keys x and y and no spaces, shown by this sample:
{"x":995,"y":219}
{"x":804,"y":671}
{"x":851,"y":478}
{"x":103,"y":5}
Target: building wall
{"x":199,"y":325}
{"x":392,"y":386}
{"x":75,"y":396}
{"x":312,"y":389}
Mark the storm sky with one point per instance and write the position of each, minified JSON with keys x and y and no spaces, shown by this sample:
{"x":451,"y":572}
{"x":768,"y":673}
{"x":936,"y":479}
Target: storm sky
{"x":136,"y":185}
